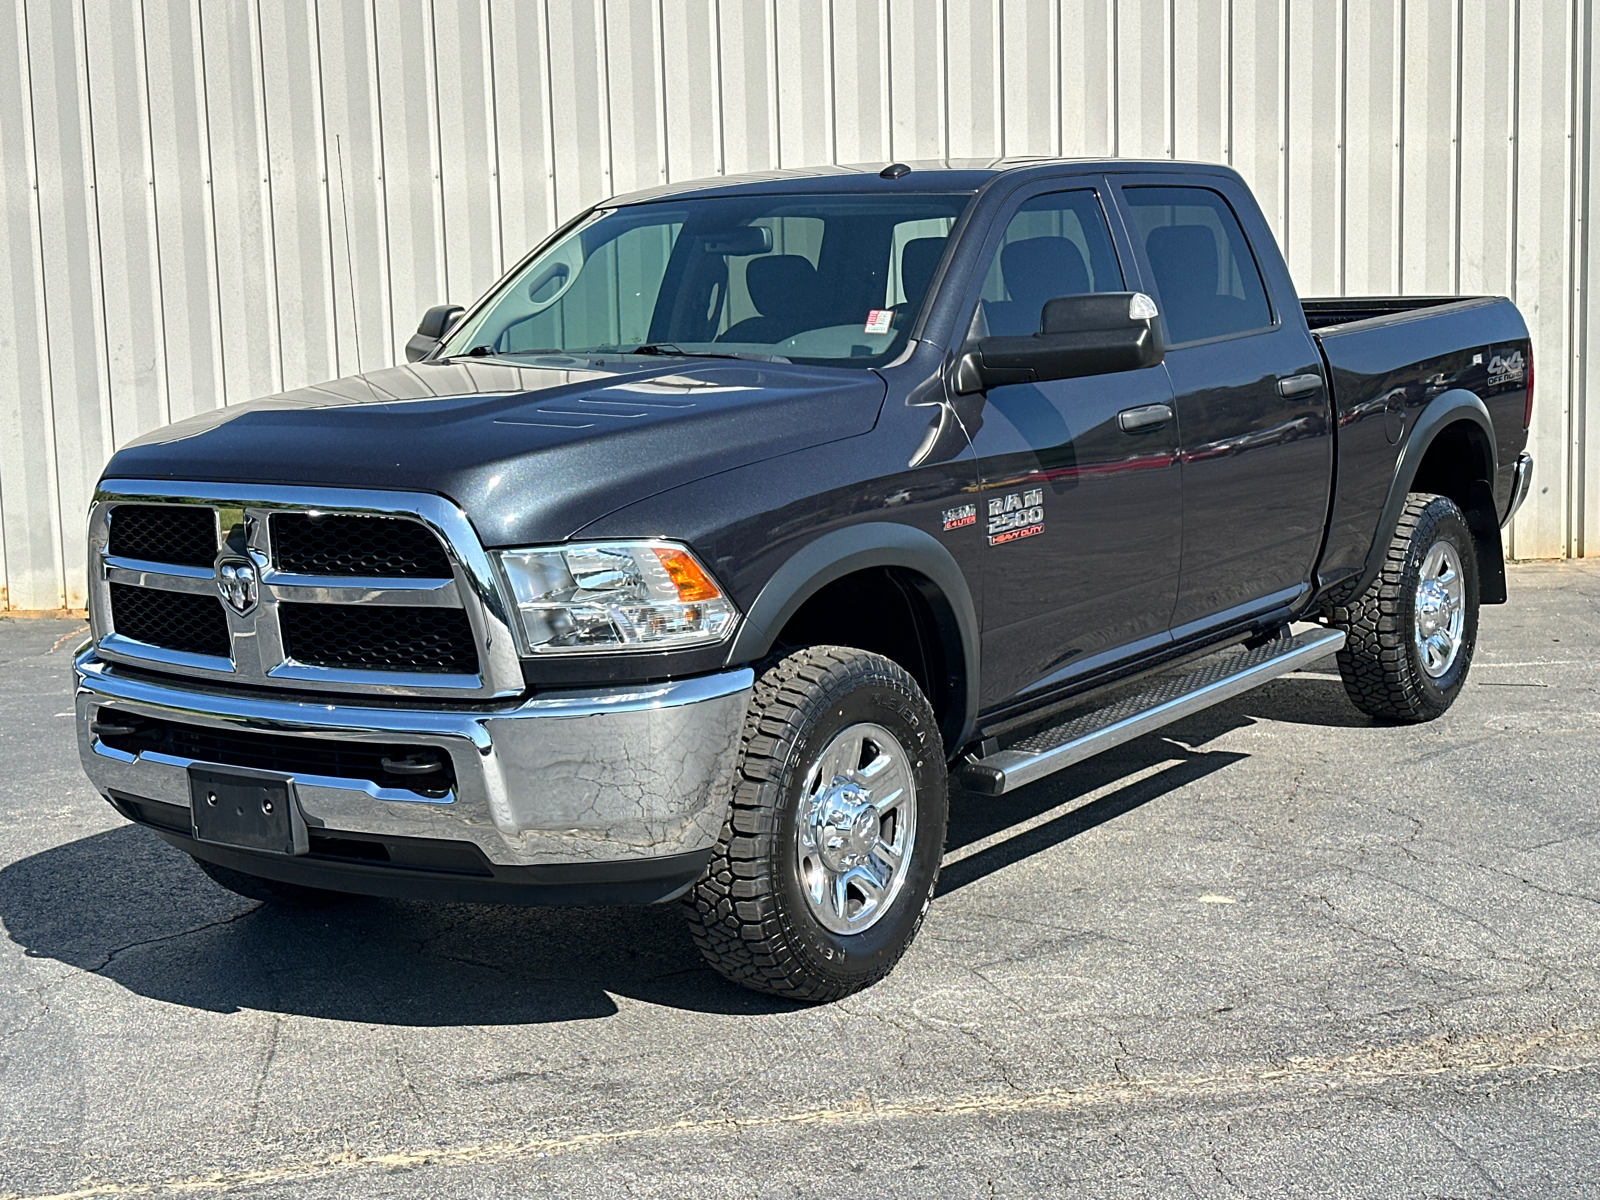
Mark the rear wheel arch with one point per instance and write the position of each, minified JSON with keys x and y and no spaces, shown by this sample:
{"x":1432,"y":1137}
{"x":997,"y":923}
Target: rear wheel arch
{"x":1450,"y":451}
{"x":887,"y":564}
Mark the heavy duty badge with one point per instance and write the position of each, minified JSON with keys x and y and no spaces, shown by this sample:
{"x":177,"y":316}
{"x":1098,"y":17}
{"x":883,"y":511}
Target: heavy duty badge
{"x":1017,"y":515}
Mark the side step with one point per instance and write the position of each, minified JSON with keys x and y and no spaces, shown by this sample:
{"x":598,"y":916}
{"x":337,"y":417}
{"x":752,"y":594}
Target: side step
{"x":1169,"y":698}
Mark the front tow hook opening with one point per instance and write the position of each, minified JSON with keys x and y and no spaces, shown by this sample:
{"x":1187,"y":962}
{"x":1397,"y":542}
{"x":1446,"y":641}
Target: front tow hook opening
{"x":412,"y":764}
{"x":114,"y":724}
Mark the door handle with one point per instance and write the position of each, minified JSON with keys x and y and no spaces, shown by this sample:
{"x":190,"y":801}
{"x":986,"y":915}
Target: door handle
{"x":1134,"y":420}
{"x":1291,"y":386}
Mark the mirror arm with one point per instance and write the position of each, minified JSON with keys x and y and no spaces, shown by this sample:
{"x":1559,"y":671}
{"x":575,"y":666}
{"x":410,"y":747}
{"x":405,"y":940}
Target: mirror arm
{"x":969,"y":374}
{"x":974,"y":374}
{"x":419,"y":346}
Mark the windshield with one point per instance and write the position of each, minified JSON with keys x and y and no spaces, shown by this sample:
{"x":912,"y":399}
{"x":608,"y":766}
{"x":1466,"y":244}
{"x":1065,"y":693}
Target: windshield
{"x":831,"y":280}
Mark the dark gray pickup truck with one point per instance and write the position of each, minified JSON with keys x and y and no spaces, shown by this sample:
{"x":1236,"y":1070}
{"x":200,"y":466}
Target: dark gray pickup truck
{"x":693,"y":559}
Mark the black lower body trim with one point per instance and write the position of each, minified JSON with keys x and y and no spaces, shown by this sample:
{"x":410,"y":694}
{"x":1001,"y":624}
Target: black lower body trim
{"x":403,"y":868}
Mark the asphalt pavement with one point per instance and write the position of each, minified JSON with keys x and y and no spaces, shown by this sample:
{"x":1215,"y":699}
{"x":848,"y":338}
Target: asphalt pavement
{"x":1278,"y":950}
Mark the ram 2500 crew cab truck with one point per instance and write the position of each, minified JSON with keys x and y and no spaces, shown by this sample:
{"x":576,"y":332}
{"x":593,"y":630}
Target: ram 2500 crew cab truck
{"x":695,"y":557}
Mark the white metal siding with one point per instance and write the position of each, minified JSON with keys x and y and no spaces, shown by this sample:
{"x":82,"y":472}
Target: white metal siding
{"x":205,"y":200}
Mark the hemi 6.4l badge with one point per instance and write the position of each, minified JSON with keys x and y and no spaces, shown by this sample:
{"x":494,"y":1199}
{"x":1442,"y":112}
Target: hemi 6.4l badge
{"x":1018,"y":515}
{"x":960,"y":517}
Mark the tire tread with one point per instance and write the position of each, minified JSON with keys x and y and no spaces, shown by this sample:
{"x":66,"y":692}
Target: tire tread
{"x":1379,"y":669}
{"x":734,"y":915}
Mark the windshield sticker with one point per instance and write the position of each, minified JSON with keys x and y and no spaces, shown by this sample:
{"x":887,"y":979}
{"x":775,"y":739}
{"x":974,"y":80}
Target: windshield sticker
{"x":878,"y":320}
{"x":960,"y":517}
{"x":1018,"y":515}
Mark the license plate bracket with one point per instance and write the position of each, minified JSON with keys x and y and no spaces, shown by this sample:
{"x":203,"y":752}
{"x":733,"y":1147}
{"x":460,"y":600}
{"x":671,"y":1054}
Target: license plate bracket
{"x":249,"y":810}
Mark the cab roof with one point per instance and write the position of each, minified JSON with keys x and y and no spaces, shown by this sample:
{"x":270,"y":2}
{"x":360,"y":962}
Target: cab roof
{"x":926,"y":175}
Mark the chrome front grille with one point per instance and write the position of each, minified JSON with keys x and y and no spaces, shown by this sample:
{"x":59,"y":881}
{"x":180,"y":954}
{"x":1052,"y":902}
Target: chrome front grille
{"x":318,"y":588}
{"x":379,"y":547}
{"x":378,"y":637}
{"x":172,"y":620}
{"x":184,"y":534}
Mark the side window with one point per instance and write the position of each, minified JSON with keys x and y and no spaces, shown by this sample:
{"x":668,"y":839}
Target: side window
{"x":1205,"y":275}
{"x":1057,"y":244}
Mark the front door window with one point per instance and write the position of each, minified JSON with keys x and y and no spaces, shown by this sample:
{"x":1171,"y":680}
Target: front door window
{"x":1082,"y":519}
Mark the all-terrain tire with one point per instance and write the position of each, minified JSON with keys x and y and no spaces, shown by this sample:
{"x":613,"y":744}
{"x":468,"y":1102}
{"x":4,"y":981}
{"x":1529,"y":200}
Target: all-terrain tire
{"x":1381,"y":663}
{"x":748,"y":913}
{"x":271,"y":891}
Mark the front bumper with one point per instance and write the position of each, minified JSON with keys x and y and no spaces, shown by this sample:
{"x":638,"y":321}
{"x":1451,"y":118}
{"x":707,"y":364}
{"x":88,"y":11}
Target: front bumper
{"x":610,"y":777}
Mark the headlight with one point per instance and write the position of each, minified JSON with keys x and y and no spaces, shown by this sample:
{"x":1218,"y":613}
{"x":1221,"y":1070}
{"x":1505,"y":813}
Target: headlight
{"x":594,"y":597}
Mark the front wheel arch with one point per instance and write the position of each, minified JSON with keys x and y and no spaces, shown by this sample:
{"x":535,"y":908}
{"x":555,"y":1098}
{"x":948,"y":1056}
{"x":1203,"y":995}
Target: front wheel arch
{"x":920,"y":557}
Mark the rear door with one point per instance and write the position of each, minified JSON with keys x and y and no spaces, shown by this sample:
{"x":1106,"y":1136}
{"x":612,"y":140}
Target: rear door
{"x":1252,"y":406}
{"x":1081,"y":519}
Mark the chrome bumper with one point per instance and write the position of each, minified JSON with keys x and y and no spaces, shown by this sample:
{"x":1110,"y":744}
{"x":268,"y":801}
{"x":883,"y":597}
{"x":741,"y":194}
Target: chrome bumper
{"x":1521,"y":482}
{"x":605,"y":775}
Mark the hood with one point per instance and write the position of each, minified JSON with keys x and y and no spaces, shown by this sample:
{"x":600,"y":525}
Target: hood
{"x":532,"y":453}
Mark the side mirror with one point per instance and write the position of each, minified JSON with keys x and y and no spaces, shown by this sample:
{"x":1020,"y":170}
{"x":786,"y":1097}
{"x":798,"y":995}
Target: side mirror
{"x":1078,"y":335}
{"x":436,"y":322}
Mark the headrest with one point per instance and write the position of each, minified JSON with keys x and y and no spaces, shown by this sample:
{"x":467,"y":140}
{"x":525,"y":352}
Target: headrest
{"x":917,"y":261}
{"x":781,"y":284}
{"x":1038,"y":269}
{"x":1184,"y":259}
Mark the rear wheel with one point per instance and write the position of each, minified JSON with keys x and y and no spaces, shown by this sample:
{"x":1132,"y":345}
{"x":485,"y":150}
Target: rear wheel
{"x":1411,"y":634}
{"x":271,"y":891}
{"x":830,"y":853}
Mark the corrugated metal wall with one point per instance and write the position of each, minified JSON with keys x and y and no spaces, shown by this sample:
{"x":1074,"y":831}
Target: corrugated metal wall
{"x":207,"y":200}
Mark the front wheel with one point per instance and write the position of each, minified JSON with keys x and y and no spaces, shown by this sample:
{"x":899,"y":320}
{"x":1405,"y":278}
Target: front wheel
{"x":830,"y":852}
{"x":1411,"y":634}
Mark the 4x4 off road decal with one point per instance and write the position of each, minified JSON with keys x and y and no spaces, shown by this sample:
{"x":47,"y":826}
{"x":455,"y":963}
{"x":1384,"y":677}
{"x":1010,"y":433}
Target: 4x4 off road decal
{"x":1506,"y":368}
{"x":960,"y":517}
{"x":1017,"y":515}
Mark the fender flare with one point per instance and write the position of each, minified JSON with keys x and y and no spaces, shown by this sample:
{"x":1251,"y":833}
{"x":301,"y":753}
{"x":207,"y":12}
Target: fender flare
{"x":858,"y":548}
{"x":1443,"y":410}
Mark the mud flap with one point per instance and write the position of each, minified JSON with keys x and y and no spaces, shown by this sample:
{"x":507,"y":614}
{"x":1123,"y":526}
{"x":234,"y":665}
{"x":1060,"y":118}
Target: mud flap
{"x":1485,"y":528}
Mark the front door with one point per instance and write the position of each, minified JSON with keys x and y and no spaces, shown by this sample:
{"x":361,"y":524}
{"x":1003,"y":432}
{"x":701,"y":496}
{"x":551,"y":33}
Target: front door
{"x":1256,"y":444}
{"x":1082,"y":519}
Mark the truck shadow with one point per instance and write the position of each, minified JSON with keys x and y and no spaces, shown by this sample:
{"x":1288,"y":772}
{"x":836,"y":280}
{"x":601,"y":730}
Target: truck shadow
{"x":125,"y":905}
{"x":976,"y":819}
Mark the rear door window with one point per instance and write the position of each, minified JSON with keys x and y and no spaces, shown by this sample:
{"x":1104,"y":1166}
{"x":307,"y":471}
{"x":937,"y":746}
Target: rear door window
{"x":1206,"y":279}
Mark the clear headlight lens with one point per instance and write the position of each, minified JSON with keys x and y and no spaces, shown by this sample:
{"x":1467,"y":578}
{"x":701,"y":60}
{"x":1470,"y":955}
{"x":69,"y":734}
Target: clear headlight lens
{"x":593,"y":597}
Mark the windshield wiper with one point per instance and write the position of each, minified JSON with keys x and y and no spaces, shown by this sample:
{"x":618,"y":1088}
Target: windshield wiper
{"x":487,"y":351}
{"x":667,"y":349}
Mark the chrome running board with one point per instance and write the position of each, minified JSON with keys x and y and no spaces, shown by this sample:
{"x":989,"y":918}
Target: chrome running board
{"x":1168,"y":698}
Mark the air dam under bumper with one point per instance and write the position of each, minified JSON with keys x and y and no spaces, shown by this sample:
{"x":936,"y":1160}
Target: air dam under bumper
{"x":609,"y":787}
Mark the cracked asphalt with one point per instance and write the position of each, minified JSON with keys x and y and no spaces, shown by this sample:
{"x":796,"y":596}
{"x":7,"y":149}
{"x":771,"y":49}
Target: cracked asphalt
{"x":1279,"y":950}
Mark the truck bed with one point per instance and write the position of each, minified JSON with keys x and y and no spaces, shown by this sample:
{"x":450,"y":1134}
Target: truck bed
{"x":1387,"y":357}
{"x":1340,"y":310}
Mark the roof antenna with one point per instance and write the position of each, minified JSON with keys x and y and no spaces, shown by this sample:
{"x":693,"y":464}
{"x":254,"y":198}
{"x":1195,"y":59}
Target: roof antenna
{"x":894,"y":171}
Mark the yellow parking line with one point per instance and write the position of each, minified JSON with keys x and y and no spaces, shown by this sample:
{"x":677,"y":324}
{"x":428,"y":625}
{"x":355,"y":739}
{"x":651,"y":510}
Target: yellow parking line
{"x":1488,"y":1054}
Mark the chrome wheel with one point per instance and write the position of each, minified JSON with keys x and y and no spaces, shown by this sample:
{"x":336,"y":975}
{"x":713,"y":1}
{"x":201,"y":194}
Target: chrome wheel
{"x":857,"y":821}
{"x":1440,"y":609}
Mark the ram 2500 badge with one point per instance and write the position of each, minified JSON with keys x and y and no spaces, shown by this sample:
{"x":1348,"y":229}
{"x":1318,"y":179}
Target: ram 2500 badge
{"x":695,"y":557}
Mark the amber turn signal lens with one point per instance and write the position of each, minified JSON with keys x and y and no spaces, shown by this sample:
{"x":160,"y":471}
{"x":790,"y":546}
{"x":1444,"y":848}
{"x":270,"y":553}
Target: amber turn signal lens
{"x":692,"y":583}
